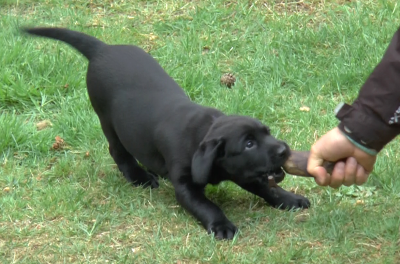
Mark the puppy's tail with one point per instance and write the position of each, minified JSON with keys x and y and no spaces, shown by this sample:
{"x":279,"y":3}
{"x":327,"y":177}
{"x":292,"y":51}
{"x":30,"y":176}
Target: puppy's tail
{"x":85,"y":44}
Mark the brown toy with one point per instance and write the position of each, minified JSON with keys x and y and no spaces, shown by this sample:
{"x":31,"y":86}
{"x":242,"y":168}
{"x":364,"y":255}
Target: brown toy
{"x":297,"y":164}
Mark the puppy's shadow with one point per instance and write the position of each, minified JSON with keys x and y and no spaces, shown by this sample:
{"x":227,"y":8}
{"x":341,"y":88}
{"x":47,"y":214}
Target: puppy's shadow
{"x":227,"y":195}
{"x":231,"y":197}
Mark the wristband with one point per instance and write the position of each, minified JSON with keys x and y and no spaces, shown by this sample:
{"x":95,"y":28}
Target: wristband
{"x":371,"y":152}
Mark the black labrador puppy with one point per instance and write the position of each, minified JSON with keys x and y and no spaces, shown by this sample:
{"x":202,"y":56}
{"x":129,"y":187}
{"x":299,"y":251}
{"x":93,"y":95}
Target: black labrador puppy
{"x":147,"y":118}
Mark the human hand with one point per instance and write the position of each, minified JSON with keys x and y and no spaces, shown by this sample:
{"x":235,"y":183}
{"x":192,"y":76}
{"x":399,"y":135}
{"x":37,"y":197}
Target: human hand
{"x":352,"y":167}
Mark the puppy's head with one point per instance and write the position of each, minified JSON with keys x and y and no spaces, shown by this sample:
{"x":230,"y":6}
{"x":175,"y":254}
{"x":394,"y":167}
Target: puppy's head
{"x":242,"y":147}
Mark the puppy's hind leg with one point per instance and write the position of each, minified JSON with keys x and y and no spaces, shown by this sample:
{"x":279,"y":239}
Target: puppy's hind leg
{"x":127,"y":164}
{"x":130,"y":168}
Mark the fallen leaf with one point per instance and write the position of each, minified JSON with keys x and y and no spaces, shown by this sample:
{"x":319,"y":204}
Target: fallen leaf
{"x":43,"y":124}
{"x":359,"y":202}
{"x":302,"y":217}
{"x":59,"y":144}
{"x":136,"y":249}
{"x":6,"y":189}
{"x":152,"y":36}
{"x":305,"y":109}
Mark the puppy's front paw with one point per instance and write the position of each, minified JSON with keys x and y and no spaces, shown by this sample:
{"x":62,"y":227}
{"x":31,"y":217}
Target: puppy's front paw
{"x":296,"y":202}
{"x":293,"y":201}
{"x":282,"y":199}
{"x":303,"y":202}
{"x":223,"y":229}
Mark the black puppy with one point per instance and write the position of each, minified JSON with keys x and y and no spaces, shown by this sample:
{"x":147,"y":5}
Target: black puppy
{"x":147,"y":117}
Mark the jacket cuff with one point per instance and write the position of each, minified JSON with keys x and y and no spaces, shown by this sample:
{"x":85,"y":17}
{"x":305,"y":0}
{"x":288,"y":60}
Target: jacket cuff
{"x":371,"y":152}
{"x":364,"y":129}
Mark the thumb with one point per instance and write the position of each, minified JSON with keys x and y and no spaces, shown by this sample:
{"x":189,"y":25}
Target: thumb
{"x":315,"y":168}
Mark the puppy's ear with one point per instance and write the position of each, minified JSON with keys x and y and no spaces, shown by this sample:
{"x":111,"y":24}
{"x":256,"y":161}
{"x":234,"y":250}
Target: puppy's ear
{"x":203,"y":160}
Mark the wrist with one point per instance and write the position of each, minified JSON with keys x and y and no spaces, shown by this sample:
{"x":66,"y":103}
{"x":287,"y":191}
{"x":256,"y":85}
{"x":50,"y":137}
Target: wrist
{"x":364,"y":128}
{"x":369,"y":151}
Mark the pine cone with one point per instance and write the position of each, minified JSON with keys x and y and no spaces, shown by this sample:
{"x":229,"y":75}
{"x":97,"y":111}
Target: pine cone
{"x":228,"y":79}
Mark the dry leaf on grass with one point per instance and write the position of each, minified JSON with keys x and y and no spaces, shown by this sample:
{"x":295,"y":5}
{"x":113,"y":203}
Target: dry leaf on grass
{"x":59,"y":144}
{"x":360,"y":202}
{"x":43,"y":124}
{"x":136,"y":249}
{"x":305,"y":109}
{"x":152,"y":36}
{"x":6,"y":189}
{"x":302,"y":217}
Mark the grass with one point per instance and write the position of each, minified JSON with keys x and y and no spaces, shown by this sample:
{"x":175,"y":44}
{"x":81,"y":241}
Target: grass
{"x":71,"y":205}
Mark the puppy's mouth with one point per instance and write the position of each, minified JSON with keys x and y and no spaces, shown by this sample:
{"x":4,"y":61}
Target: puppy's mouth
{"x":277,"y":173}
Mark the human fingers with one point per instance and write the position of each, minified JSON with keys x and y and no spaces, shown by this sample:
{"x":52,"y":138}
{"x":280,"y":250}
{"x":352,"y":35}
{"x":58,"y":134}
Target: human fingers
{"x":350,"y":171}
{"x":321,"y":177}
{"x":314,"y":163}
{"x":337,"y":176}
{"x":365,"y":160}
{"x":361,"y":176}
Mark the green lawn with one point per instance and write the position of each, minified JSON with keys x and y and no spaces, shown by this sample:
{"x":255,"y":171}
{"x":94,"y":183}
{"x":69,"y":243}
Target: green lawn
{"x":71,"y":204}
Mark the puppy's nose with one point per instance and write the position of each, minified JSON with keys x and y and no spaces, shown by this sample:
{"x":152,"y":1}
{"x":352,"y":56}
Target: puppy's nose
{"x":282,"y":151}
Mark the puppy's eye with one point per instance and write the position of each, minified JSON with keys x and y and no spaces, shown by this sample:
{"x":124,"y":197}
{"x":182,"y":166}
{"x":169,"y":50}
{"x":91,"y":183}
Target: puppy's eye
{"x":249,"y":143}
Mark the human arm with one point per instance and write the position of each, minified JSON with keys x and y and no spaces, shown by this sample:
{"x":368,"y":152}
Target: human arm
{"x":365,"y":127}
